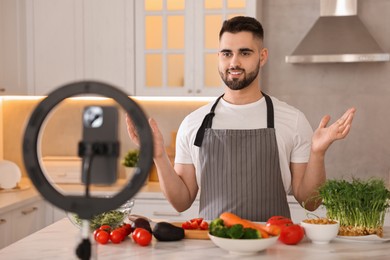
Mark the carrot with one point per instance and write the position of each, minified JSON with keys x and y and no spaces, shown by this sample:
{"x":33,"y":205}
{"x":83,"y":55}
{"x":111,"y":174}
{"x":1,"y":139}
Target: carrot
{"x":270,"y":229}
{"x":230,"y":219}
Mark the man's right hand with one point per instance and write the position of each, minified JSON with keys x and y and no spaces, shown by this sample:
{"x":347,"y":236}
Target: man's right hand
{"x":158,"y":140}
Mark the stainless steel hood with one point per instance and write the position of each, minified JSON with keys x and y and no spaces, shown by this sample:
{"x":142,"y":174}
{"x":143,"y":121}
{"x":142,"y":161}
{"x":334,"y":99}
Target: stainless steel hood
{"x":338,"y":36}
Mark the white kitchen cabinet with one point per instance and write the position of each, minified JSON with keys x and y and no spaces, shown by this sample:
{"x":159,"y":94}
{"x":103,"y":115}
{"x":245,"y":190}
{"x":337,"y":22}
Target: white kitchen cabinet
{"x":109,"y":42}
{"x":177,"y":45}
{"x":28,"y":219}
{"x":5,"y":229}
{"x":21,"y":222}
{"x":54,"y":38}
{"x":80,"y":40}
{"x":45,"y":44}
{"x":12,"y":48}
{"x":162,"y":209}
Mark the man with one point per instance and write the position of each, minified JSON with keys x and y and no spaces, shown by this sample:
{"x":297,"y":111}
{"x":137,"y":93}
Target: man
{"x":246,"y":150}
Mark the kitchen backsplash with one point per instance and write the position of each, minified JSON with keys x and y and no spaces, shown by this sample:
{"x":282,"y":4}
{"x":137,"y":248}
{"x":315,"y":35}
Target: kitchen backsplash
{"x":63,"y":128}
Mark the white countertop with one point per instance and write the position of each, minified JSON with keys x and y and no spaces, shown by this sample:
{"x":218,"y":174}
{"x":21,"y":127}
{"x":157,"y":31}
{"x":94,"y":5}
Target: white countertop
{"x":13,"y":198}
{"x":58,"y":241}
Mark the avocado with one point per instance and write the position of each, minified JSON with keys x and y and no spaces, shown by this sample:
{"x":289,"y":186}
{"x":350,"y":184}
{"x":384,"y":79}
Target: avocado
{"x":164,"y":231}
{"x":141,"y":223}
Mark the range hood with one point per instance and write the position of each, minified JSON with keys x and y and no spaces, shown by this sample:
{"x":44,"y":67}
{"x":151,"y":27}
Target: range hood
{"x":338,"y":35}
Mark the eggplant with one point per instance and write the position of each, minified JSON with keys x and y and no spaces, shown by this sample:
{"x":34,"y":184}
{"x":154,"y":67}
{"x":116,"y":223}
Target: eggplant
{"x":164,"y":231}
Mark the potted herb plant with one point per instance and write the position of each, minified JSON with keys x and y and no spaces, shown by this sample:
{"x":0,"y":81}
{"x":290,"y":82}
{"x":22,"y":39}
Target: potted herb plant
{"x":359,"y":206}
{"x":130,"y":161}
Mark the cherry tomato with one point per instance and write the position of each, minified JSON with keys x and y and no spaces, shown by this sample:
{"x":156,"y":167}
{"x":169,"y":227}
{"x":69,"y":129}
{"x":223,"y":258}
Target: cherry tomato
{"x":102,"y":237}
{"x":194,"y":225}
{"x":197,"y":220}
{"x":142,"y":237}
{"x":291,"y":234}
{"x":186,"y":225}
{"x":105,"y":227}
{"x":116,"y":236}
{"x":279,"y":221}
{"x":128,"y":228}
{"x":204,"y":225}
{"x":123,"y":231}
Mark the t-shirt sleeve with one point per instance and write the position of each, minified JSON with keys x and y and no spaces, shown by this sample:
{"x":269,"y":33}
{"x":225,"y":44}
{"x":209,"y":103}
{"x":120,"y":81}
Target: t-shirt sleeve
{"x":183,"y":144}
{"x":302,"y":140}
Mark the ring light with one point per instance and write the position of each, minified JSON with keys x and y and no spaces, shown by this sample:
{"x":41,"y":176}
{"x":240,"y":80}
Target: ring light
{"x":84,"y":206}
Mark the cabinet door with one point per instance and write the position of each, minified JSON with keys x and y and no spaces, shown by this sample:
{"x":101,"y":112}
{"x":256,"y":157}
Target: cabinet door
{"x":177,"y":45}
{"x":54,"y":43}
{"x":108,"y":46}
{"x":28,"y":219}
{"x":162,"y":210}
{"x":5,"y":229}
{"x":12,"y":48}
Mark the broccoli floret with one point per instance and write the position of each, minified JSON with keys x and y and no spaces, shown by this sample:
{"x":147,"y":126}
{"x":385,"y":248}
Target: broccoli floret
{"x":220,"y":231}
{"x":216,"y":222}
{"x":251,"y":233}
{"x":216,"y":228}
{"x":236,"y":231}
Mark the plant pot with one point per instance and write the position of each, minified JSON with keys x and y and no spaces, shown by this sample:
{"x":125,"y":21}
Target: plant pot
{"x":129,"y":172}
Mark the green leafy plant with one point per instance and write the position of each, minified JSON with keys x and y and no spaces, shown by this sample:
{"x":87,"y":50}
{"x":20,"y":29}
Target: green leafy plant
{"x":131,"y":158}
{"x":359,"y":206}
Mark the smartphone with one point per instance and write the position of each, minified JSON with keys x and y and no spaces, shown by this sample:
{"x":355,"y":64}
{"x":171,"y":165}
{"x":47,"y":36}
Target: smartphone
{"x":100,"y":126}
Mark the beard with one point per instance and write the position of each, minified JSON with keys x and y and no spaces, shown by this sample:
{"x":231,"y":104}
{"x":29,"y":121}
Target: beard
{"x":237,"y":84}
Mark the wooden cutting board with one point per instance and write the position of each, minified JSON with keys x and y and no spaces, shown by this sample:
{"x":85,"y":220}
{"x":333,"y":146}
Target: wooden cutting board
{"x":193,"y":234}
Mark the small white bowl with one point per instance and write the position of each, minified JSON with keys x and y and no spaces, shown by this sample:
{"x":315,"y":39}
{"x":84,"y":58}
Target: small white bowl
{"x":321,"y":233}
{"x":243,"y":246}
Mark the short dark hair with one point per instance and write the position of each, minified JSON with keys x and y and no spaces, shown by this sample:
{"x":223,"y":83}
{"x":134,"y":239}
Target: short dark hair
{"x":242,"y":24}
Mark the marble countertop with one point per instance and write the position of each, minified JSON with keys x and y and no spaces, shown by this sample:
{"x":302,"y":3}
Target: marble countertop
{"x":17,"y":197}
{"x":58,"y":241}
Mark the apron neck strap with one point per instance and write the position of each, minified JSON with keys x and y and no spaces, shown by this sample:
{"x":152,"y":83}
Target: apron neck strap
{"x":208,"y":120}
{"x":270,"y":111}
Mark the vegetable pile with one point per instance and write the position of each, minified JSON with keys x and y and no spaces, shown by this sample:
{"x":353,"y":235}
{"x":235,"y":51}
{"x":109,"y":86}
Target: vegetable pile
{"x":229,"y":225}
{"x":140,"y":231}
{"x":236,"y":231}
{"x":359,"y":206}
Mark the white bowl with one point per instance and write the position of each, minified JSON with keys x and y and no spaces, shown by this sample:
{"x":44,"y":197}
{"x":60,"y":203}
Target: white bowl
{"x":243,"y":246}
{"x":321,"y":233}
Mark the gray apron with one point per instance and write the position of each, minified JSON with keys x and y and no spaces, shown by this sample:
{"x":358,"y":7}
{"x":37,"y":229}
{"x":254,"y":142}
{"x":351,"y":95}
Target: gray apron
{"x":240,"y":171}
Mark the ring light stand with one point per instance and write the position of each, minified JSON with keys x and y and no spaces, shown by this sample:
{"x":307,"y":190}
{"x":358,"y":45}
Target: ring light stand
{"x":86,"y":206}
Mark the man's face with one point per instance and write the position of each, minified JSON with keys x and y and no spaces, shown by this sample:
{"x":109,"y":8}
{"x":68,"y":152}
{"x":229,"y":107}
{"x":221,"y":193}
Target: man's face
{"x":240,"y":59}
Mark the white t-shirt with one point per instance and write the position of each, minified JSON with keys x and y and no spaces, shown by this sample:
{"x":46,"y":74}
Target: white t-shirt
{"x":293,"y":131}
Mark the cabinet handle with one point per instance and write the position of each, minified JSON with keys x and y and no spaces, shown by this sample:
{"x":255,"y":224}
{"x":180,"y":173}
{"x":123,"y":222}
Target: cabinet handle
{"x":28,"y":211}
{"x":3,"y":221}
{"x":166,"y":213}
